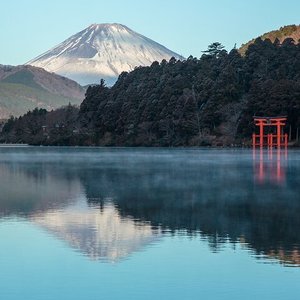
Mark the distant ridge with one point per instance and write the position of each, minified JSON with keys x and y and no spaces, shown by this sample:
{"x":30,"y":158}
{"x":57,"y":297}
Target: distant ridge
{"x":102,"y":51}
{"x":289,"y":31}
{"x":23,"y":88}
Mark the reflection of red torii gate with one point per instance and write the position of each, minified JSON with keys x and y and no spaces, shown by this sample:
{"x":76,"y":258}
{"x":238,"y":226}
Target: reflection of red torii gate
{"x":277,"y":139}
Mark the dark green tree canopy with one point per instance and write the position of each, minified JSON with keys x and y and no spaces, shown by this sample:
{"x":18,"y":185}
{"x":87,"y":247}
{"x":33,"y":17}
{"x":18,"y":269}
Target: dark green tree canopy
{"x":214,"y":49}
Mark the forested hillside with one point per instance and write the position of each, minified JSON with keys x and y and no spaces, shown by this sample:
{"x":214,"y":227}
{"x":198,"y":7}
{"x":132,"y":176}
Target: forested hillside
{"x":289,"y":31}
{"x":206,"y":101}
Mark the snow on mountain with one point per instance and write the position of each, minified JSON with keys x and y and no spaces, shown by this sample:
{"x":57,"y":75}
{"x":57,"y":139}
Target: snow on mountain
{"x":102,"y":51}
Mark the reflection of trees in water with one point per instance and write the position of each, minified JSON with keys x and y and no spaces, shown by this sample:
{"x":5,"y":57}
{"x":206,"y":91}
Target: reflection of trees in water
{"x":220,"y":202}
{"x":265,"y":218}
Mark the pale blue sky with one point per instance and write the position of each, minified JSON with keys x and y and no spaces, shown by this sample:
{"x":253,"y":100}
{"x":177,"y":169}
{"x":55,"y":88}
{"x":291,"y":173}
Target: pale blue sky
{"x":29,"y":28}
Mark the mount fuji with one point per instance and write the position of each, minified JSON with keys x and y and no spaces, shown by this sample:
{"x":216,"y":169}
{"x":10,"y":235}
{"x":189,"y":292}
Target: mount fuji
{"x":102,"y":51}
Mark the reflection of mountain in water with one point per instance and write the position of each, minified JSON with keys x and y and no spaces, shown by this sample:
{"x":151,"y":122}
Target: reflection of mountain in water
{"x":26,"y":189}
{"x":100,"y":234}
{"x":291,"y":258}
{"x":209,"y":193}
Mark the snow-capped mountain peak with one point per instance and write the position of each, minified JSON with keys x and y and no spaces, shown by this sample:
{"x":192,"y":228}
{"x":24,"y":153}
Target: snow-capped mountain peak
{"x":102,"y":51}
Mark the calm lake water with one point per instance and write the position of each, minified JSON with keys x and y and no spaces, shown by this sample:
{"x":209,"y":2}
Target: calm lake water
{"x":94,"y":223}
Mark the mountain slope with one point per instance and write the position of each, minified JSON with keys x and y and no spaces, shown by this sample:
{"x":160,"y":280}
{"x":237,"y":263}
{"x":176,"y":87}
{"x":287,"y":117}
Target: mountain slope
{"x":23,"y":88}
{"x":290,"y":31}
{"x":102,"y":51}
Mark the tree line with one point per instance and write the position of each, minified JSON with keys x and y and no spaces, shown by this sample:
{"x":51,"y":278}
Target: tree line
{"x":195,"y":102}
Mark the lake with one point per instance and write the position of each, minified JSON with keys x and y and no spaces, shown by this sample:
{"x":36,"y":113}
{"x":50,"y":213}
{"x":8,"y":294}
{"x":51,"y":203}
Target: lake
{"x":109,"y":223}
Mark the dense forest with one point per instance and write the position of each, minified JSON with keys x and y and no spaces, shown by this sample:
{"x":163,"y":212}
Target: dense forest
{"x":195,"y":102}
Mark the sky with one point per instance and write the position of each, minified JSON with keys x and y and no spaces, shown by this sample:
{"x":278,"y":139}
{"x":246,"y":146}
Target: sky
{"x":29,"y":28}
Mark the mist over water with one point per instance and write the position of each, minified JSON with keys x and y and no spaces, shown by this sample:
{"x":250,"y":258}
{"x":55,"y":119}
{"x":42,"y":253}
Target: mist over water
{"x":168,"y":217}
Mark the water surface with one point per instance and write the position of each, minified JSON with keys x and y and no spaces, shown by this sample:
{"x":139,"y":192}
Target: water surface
{"x":100,"y":223}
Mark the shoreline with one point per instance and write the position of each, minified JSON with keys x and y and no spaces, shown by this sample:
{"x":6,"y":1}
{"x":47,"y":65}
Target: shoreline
{"x":149,"y":147}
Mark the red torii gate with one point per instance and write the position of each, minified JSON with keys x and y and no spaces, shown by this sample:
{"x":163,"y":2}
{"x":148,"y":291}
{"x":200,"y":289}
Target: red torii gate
{"x":277,"y":139}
